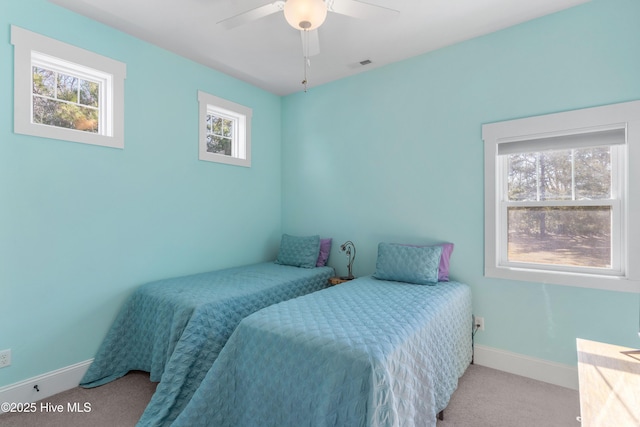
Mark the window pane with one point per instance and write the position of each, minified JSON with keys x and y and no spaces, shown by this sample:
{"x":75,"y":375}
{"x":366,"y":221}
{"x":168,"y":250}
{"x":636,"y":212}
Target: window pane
{"x":67,"y":88}
{"x":44,"y":110}
{"x":593,"y":173}
{"x":217,"y":126}
{"x":61,"y":114}
{"x":219,"y":145}
{"x":572,"y":174}
{"x":84,"y":118}
{"x":44,"y":82}
{"x":572,"y":236}
{"x":522,"y":179}
{"x":228,"y":128}
{"x":89,"y":93}
{"x":554,"y":173}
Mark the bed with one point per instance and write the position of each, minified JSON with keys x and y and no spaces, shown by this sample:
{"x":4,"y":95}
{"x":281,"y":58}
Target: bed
{"x":175,"y":328}
{"x":375,"y":351}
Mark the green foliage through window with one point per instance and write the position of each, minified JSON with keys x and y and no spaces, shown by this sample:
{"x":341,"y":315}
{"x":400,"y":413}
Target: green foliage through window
{"x":65,"y":101}
{"x":219,"y":135}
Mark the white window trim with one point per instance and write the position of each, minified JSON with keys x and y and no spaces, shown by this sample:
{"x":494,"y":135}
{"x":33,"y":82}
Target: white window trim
{"x":567,"y":123}
{"x":241,"y":149}
{"x":29,"y":46}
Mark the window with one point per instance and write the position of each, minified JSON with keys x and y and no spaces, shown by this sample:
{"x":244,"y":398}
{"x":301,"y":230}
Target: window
{"x":225,"y":131}
{"x":64,"y":98}
{"x":560,"y":198}
{"x":64,"y":92}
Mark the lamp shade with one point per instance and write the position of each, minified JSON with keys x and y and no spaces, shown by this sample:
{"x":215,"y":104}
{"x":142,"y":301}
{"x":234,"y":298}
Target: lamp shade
{"x":305,"y":14}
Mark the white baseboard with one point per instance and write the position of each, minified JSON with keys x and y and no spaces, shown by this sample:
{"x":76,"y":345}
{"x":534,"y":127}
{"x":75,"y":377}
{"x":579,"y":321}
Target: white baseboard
{"x":525,"y":366}
{"x":48,"y":384}
{"x":69,"y":377}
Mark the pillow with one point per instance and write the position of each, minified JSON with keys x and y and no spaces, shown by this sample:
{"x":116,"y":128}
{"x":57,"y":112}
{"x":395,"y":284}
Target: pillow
{"x":443,"y":268}
{"x":412,"y":264}
{"x":323,"y":256}
{"x":299,"y":251}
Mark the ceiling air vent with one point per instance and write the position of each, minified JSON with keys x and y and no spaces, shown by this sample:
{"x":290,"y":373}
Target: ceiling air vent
{"x":365,"y":62}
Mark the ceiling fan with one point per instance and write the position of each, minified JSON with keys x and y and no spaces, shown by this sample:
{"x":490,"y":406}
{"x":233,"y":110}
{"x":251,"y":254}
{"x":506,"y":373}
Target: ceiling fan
{"x":307,"y":16}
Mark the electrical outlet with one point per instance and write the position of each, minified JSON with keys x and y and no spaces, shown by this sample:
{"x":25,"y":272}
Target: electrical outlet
{"x":5,"y":358}
{"x":479,"y":323}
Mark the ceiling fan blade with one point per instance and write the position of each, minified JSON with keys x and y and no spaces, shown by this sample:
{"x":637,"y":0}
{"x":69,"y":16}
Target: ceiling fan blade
{"x":310,"y":43}
{"x":251,"y":15}
{"x":360,"y":9}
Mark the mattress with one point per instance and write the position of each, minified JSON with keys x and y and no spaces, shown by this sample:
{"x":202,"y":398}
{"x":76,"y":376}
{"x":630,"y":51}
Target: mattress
{"x":175,"y":328}
{"x":364,"y":353}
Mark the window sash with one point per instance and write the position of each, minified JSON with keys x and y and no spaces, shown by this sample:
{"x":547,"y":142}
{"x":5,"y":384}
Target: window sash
{"x":235,"y":137}
{"x":615,"y":202}
{"x":99,"y":109}
{"x":618,"y":173}
{"x":617,"y":267}
{"x":104,"y":80}
{"x":571,"y":181}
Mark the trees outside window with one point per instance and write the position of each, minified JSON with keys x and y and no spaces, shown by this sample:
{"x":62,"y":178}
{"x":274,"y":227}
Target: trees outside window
{"x":553,"y":213}
{"x":65,"y":101}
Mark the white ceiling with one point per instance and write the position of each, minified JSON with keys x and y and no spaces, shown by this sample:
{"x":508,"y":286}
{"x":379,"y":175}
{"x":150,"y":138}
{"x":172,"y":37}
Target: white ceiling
{"x":268,"y":52}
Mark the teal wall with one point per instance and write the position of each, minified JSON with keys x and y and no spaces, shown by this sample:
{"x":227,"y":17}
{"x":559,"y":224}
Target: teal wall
{"x":82,"y":225}
{"x":396,"y":155}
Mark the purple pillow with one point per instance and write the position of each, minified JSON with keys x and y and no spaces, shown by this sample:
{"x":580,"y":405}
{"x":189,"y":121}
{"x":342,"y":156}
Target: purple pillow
{"x":325,"y":248}
{"x":443,"y":268}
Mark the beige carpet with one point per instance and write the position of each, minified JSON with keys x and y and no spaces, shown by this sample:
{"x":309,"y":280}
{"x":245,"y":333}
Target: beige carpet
{"x":489,"y":398}
{"x":117,"y":404}
{"x":485,"y":398}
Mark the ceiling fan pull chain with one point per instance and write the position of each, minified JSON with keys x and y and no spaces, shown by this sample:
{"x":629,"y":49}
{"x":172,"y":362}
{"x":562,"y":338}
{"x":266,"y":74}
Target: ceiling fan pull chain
{"x":304,"y":82}
{"x":306,"y":58}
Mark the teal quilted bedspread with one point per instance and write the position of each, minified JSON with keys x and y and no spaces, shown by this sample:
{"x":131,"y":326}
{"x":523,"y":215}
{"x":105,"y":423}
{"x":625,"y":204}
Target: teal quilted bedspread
{"x":175,"y":328}
{"x":364,"y":353}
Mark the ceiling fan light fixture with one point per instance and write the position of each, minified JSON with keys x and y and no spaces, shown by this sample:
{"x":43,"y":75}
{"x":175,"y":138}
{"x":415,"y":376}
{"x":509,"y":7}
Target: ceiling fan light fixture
{"x":305,"y":14}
